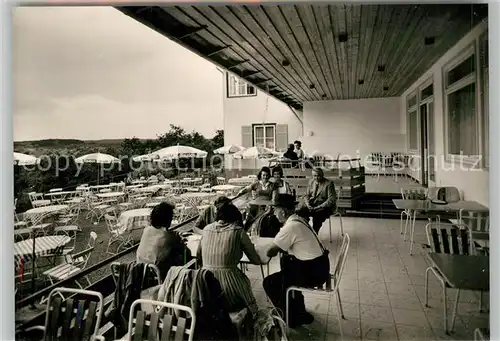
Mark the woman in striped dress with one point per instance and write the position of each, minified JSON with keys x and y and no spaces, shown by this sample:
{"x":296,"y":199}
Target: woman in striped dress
{"x":221,"y":248}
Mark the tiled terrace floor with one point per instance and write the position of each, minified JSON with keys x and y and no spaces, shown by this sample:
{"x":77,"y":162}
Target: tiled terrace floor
{"x":382,"y":290}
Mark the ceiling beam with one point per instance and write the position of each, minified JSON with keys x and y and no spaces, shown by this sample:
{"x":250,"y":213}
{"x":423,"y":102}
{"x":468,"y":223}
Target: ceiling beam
{"x":190,"y":31}
{"x":218,"y":50}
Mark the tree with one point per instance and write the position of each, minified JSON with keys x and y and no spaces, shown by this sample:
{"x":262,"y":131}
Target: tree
{"x":133,"y":146}
{"x":218,"y":139}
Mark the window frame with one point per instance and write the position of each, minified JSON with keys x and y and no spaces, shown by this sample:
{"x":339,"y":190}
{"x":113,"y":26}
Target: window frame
{"x":239,"y":81}
{"x":264,"y":126}
{"x":412,"y":110}
{"x":472,"y":78}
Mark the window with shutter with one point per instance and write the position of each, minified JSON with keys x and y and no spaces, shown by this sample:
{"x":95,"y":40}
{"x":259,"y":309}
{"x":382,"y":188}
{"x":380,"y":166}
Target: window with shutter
{"x":264,"y":135}
{"x":281,"y":137}
{"x":246,"y":136}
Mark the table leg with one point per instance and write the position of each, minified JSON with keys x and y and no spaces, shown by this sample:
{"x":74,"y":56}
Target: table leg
{"x":262,"y":271}
{"x":454,"y":313}
{"x":412,"y":231}
{"x":445,"y":308}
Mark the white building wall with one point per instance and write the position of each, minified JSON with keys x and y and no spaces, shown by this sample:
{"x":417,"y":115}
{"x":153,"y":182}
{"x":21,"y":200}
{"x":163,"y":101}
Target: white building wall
{"x":473,"y":183}
{"x":259,"y":109}
{"x":354,"y":128}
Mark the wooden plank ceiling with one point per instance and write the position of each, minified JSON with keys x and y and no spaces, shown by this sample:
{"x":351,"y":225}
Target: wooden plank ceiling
{"x":318,"y":52}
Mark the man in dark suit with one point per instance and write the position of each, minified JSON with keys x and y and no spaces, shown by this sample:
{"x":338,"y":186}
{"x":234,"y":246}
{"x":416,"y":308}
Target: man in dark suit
{"x":320,"y":199}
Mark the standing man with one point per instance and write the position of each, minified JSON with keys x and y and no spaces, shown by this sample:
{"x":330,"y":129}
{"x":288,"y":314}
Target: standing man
{"x":320,"y":199}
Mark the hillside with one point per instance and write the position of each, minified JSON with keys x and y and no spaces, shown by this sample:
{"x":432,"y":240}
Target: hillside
{"x":67,"y":146}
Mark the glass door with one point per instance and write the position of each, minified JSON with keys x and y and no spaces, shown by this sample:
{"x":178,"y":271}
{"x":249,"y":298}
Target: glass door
{"x":430,"y":143}
{"x":424,"y":142}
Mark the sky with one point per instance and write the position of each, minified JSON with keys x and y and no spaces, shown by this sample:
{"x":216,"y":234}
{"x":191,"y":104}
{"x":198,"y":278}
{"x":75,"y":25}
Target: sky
{"x":95,"y":73}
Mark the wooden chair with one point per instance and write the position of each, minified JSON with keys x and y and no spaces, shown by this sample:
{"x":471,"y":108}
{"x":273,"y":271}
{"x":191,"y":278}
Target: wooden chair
{"x":450,"y":239}
{"x":74,"y":264}
{"x":331,"y":286}
{"x":72,"y":319}
{"x":479,"y":224}
{"x":162,"y":322}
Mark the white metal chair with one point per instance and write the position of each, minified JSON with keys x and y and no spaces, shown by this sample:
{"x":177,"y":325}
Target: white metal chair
{"x":117,"y":233}
{"x":374,"y":164}
{"x":331,"y":286}
{"x":161,"y":321}
{"x":337,"y":213}
{"x":410,"y":194}
{"x":37,"y":200}
{"x":97,"y":208}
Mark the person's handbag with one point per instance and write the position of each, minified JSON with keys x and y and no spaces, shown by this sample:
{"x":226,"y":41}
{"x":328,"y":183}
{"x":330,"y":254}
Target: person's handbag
{"x":269,"y":325}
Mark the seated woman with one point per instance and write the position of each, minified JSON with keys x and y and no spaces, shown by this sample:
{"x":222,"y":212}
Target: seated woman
{"x":221,"y":247}
{"x":158,"y":245}
{"x":280,"y":185}
{"x":208,"y":215}
{"x":263,"y":189}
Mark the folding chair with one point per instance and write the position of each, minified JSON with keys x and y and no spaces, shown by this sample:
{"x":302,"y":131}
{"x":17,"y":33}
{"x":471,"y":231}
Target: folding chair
{"x":72,"y":319}
{"x":142,"y":326}
{"x":449,"y":239}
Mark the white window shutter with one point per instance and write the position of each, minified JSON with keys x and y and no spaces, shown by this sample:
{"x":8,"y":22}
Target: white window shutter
{"x":246,"y":136}
{"x":281,"y":137}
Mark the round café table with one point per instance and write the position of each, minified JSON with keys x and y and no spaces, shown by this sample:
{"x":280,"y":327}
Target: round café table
{"x":135,"y":219}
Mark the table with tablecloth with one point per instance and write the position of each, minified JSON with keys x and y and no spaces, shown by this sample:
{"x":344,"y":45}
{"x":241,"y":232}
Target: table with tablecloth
{"x":110,"y":195}
{"x":23,"y":251}
{"x":241,"y":181}
{"x":261,"y":246}
{"x":38,"y":214}
{"x":135,"y":219}
{"x":46,"y":210}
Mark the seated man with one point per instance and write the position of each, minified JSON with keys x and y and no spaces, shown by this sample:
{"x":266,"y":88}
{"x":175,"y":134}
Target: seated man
{"x":208,"y":215}
{"x":307,"y":263}
{"x":320,"y":199}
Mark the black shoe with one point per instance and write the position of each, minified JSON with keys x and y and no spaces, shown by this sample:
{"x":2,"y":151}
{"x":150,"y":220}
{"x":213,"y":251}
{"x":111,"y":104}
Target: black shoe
{"x":307,"y":318}
{"x":299,"y":320}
